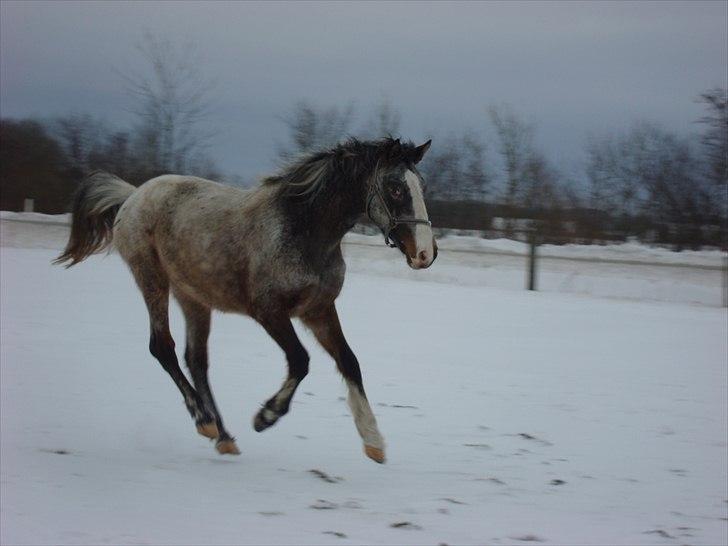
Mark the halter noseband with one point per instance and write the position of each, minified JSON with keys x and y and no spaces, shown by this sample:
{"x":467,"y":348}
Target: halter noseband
{"x":392,"y":220}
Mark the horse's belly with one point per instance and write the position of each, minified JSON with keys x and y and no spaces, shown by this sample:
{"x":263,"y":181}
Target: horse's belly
{"x":209,"y":284}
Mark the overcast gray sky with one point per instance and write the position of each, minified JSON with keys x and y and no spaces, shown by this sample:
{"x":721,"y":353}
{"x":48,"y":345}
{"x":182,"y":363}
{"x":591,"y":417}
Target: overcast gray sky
{"x":574,"y":69}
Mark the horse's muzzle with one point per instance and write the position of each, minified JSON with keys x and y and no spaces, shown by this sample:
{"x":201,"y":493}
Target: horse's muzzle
{"x":424,"y":259}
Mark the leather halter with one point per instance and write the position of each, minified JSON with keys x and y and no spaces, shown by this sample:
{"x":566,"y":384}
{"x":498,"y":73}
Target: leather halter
{"x":392,"y":220}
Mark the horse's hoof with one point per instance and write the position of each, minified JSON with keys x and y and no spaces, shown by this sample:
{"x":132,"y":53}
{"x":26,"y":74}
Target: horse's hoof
{"x":375,"y":454}
{"x":227,"y":447}
{"x":208,"y":430}
{"x":264,"y":419}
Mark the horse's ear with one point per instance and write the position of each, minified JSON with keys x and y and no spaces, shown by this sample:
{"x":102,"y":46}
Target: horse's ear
{"x":419,"y":152}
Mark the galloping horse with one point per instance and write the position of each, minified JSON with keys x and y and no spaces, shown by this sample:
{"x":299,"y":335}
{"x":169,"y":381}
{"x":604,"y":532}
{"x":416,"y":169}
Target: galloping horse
{"x":273,"y":253}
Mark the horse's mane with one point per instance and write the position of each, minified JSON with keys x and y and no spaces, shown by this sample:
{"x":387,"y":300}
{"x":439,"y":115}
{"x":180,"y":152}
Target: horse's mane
{"x":349,"y":162}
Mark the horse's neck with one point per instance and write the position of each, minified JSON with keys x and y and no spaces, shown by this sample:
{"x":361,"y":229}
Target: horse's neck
{"x":325,"y":223}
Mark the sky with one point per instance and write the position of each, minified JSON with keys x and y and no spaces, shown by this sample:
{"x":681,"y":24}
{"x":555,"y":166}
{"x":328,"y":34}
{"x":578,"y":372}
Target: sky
{"x":575,"y":70}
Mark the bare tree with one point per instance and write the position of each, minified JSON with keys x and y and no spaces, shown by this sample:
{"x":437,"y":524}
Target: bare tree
{"x":171,"y":105}
{"x":531,"y":181}
{"x":715,"y":138}
{"x":654,"y":175}
{"x":539,"y":185}
{"x":715,"y":148}
{"x":515,"y":141}
{"x":476,"y":177}
{"x":385,"y":120}
{"x":311,"y":128}
{"x":456,"y":169}
{"x":80,"y":136}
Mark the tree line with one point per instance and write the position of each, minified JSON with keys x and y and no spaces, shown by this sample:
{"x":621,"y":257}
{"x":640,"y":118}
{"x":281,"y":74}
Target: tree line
{"x":45,"y":159}
{"x":647,"y":182}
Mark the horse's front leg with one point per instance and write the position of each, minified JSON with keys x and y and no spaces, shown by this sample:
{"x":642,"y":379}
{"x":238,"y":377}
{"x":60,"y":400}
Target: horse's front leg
{"x":327,"y":329}
{"x":279,"y":327}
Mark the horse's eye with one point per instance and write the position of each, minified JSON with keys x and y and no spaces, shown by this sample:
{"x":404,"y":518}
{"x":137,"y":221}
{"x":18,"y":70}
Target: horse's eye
{"x":396,"y":192}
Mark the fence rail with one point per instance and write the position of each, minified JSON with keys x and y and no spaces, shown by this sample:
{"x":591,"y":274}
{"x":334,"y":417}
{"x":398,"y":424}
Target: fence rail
{"x":531,"y":254}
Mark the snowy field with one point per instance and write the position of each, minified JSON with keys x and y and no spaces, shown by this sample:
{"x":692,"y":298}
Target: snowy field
{"x":593,"y":412}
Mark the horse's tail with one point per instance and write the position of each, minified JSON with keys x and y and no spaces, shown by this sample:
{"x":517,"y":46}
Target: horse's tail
{"x":95,"y":204}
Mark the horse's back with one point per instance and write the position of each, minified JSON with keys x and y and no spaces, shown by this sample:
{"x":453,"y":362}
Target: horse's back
{"x":167,"y":200}
{"x":165,"y":194}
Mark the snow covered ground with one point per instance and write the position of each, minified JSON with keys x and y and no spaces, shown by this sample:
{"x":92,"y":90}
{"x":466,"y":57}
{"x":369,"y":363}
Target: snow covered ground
{"x":510,"y":416}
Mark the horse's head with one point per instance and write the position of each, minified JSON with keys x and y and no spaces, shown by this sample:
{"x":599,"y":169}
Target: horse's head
{"x":396,"y":204}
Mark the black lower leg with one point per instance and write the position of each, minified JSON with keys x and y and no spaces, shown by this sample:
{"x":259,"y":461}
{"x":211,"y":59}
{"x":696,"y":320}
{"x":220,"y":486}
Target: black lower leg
{"x":297,"y":358}
{"x":276,"y":406}
{"x":197,"y":363}
{"x":161,"y":346}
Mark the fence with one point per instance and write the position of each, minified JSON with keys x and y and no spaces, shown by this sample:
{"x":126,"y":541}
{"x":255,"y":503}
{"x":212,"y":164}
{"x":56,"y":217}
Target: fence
{"x":617,"y":270}
{"x":533,"y":237}
{"x":526,"y":263}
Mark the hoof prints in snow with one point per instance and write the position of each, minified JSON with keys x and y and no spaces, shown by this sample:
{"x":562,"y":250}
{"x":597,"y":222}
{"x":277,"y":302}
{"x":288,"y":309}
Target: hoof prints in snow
{"x":325,"y":477}
{"x":478,"y":446}
{"x":453,"y":501}
{"x":491,"y":480}
{"x":529,"y":538}
{"x":405,"y":525}
{"x":659,"y":532}
{"x":400,"y":406}
{"x":322,"y":504}
{"x":335,"y":533}
{"x":56,"y":451}
{"x":526,"y":436}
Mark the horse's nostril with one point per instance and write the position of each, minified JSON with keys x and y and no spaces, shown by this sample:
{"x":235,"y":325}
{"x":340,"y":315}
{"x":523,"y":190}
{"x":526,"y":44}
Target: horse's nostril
{"x":423,"y":256}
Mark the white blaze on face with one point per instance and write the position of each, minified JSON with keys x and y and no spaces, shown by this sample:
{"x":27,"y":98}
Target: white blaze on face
{"x":422,"y":232}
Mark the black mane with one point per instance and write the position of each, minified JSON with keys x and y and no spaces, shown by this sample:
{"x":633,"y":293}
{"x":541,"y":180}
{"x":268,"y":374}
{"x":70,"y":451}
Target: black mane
{"x":346,"y":164}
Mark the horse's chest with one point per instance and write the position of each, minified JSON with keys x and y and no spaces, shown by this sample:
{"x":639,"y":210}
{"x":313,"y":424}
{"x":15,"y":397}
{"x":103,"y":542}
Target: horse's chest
{"x":314,"y":290}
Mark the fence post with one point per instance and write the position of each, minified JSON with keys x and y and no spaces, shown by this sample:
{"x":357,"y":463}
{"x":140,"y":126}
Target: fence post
{"x":725,"y":281}
{"x":28,"y":205}
{"x":532,"y":259}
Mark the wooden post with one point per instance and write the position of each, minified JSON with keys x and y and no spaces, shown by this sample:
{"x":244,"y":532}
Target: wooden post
{"x":532,"y":259}
{"x":725,"y":282}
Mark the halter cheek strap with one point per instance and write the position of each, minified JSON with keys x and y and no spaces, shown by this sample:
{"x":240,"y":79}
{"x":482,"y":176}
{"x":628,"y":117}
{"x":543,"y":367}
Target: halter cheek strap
{"x":392,"y":220}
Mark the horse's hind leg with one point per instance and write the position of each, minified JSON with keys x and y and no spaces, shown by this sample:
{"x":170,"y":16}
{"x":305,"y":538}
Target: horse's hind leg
{"x":197,"y":318}
{"x":154,"y":284}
